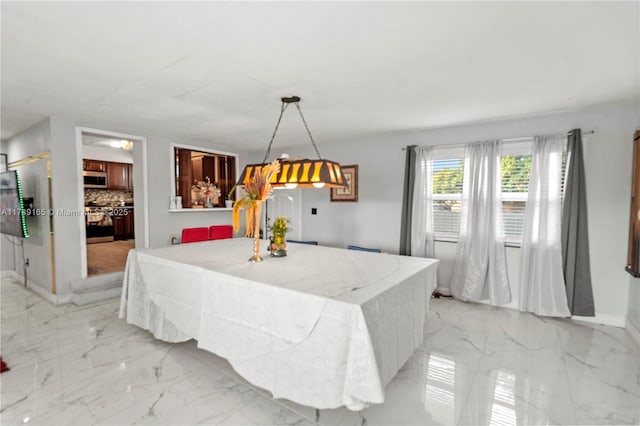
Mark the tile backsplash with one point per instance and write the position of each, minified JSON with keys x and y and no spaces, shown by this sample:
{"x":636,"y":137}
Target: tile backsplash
{"x":106,"y":197}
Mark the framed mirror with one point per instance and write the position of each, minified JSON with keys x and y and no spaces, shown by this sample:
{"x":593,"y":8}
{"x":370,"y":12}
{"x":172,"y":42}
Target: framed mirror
{"x":203,"y":178}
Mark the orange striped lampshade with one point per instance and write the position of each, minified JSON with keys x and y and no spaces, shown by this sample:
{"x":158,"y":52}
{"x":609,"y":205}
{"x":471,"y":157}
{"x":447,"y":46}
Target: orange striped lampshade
{"x":301,"y":173}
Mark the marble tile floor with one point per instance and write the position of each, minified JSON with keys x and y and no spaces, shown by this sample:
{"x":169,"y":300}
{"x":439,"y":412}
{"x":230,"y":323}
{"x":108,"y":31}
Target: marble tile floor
{"x":477,"y":365}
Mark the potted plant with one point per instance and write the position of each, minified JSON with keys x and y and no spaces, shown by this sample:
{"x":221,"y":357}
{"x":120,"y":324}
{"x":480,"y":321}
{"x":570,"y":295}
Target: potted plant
{"x":228,"y":202}
{"x":279,"y":228}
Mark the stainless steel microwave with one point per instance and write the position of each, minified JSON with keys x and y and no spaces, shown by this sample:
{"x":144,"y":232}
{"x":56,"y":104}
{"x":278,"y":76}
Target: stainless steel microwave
{"x":94,"y":179}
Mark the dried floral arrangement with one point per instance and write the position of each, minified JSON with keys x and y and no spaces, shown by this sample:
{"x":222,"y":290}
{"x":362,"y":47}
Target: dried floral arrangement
{"x":256,"y":191}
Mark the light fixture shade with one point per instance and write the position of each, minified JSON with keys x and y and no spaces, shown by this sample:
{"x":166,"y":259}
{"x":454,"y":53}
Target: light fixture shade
{"x":300,"y":173}
{"x":303,"y":172}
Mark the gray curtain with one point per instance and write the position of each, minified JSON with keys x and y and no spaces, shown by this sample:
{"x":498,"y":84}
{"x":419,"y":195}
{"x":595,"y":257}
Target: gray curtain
{"x":407,"y":200}
{"x":575,"y":234}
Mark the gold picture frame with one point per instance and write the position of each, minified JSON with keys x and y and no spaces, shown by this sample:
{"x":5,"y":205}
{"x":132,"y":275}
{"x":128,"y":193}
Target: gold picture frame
{"x":350,"y":193}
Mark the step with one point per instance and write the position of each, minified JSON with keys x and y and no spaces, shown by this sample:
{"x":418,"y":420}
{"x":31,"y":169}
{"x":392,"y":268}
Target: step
{"x":97,"y":294}
{"x":114,"y":278}
{"x":96,"y":288}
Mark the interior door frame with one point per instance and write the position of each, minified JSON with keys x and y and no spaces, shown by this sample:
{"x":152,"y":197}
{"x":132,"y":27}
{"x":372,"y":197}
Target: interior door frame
{"x":141,"y":213}
{"x":633,"y":253}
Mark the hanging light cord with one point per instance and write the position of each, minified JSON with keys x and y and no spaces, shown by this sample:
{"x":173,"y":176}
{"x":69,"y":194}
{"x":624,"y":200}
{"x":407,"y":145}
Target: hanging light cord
{"x":273,"y":137}
{"x":308,"y":131}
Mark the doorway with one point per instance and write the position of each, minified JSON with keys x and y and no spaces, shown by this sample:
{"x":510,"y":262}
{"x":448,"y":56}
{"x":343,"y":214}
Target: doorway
{"x":111,"y":187}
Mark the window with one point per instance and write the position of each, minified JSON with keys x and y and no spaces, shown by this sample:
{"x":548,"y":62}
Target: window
{"x":515,"y":190}
{"x":193,"y":166}
{"x":448,"y":173}
{"x":447,"y":196}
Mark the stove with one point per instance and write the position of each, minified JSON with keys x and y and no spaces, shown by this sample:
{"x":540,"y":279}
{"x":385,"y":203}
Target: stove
{"x":99,"y":224}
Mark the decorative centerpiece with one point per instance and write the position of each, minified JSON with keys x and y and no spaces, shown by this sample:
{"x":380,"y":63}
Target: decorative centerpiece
{"x":278,"y":241}
{"x":256,"y":191}
{"x":208,"y":192}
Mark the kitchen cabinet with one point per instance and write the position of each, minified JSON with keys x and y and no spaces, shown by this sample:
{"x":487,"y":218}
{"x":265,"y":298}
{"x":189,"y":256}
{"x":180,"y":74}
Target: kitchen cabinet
{"x":123,"y":225}
{"x":118,"y":227}
{"x":196,"y":169}
{"x":118,"y":176}
{"x":129,"y":228}
{"x":130,"y":173}
{"x":203,"y":167}
{"x":93,"y":165}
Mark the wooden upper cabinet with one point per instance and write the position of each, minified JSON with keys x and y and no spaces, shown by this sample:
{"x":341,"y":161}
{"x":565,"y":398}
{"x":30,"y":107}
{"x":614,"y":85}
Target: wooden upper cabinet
{"x":184,"y":180}
{"x":118,"y":176}
{"x":93,"y":165}
{"x":130,"y":174}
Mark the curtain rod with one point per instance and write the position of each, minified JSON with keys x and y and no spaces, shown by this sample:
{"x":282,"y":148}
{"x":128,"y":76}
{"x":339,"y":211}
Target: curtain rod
{"x":523,"y":138}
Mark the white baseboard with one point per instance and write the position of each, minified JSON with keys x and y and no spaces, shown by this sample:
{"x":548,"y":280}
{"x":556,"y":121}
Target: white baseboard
{"x":606,"y":319}
{"x":600,"y":318}
{"x":46,"y":295}
{"x":634,"y":332}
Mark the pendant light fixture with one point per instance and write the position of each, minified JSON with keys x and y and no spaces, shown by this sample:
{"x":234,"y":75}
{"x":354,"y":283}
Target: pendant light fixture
{"x":301,"y":173}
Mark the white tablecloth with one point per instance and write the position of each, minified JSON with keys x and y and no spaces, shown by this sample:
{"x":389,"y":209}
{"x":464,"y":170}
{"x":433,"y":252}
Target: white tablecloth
{"x":323,"y":327}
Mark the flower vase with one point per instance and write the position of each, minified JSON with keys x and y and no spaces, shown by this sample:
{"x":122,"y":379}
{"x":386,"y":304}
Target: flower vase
{"x":207,"y":203}
{"x":278,"y":246}
{"x":256,"y":233}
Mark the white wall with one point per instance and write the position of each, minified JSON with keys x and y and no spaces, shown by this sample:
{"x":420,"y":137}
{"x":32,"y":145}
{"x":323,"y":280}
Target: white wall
{"x":58,"y":134}
{"x":37,"y":248}
{"x":633,"y":313}
{"x":375,"y":219}
{"x":163,"y":224}
{"x":101,"y":153}
{"x":67,"y":171}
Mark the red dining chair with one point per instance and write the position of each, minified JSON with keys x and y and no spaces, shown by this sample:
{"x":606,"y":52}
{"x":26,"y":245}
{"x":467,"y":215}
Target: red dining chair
{"x":193,"y":235}
{"x":220,"y":232}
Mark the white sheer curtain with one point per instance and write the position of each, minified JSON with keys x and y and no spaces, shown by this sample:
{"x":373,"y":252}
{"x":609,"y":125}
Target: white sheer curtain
{"x":422,"y":215}
{"x":542,"y":288}
{"x":480,"y":270}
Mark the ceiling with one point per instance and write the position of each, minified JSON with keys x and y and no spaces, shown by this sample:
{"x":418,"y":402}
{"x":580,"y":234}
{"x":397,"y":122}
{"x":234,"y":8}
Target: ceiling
{"x":215,"y":71}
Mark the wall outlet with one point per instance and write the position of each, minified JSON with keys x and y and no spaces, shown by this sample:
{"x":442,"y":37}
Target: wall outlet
{"x":314,"y":210}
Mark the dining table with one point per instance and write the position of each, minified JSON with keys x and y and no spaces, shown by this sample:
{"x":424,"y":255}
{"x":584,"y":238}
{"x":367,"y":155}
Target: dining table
{"x":322,"y":326}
